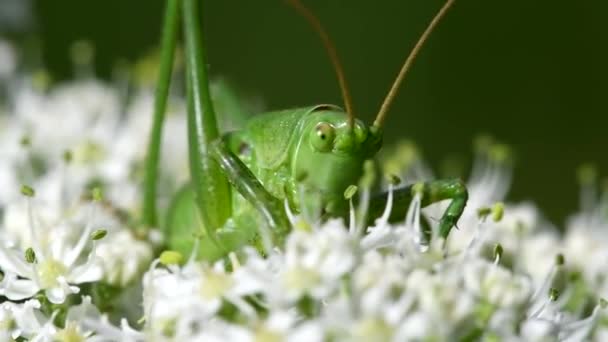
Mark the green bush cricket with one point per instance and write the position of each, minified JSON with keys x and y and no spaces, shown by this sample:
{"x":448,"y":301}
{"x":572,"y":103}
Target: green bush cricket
{"x":303,"y":158}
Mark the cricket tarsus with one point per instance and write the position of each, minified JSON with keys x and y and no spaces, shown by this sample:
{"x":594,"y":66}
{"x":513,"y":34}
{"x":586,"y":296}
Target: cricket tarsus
{"x":333,"y":56}
{"x":408,"y":63}
{"x":168,"y":40}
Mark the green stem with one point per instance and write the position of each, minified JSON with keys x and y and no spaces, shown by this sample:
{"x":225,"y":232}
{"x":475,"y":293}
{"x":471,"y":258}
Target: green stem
{"x":168,"y":41}
{"x":211,"y":186}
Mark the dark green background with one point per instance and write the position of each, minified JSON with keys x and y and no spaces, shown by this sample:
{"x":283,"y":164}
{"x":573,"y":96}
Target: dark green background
{"x":533,"y":73}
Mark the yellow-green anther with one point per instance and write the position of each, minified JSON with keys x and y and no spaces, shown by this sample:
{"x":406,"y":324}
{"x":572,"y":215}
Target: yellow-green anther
{"x":96,"y":193}
{"x":553,"y":294}
{"x":500,"y":153}
{"x":498,"y":211}
{"x":171,"y":258}
{"x":303,"y":225}
{"x":603,"y":303}
{"x":483,"y":212}
{"x":99,"y":234}
{"x":393,"y":179}
{"x":25,"y":141}
{"x":264,"y":334}
{"x":350,"y":192}
{"x":574,"y":276}
{"x":89,"y":152}
{"x":27,"y":191}
{"x":168,"y":327}
{"x":68,"y":156}
{"x":559,"y":259}
{"x":586,"y":174}
{"x":498,"y":251}
{"x":30,"y":255}
{"x":418,"y":188}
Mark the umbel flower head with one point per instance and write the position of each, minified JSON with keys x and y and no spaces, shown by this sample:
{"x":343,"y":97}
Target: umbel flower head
{"x":332,"y":282}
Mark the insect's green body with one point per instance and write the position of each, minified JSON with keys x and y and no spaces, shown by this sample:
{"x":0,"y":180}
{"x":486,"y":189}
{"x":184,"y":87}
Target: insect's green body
{"x":306,"y":157}
{"x":280,"y":147}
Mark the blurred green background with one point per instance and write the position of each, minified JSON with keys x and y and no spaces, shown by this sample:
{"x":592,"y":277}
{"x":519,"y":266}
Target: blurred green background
{"x":532,"y":73}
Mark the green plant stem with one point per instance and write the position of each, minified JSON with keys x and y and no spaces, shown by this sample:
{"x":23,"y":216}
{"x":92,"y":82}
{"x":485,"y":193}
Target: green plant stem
{"x":211,"y":186}
{"x":168,"y":41}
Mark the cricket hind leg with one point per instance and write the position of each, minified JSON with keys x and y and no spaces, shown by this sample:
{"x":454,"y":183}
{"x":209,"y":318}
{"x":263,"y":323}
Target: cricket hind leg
{"x":432,"y":192}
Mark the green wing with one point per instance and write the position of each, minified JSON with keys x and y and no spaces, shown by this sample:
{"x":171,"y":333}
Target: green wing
{"x":271,"y":134}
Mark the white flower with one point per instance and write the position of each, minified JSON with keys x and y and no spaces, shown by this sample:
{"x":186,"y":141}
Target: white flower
{"x":539,"y":331}
{"x":54,"y":266}
{"x":496,"y":284}
{"x":83,"y":322}
{"x":585,"y":241}
{"x":123,"y":257}
{"x":189,"y":328}
{"x":315,"y":261}
{"x":177,"y":292}
{"x":19,"y":320}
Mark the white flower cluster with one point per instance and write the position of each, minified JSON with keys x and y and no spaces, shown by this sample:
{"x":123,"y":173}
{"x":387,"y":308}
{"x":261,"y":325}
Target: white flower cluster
{"x":330,"y":284}
{"x":74,"y":265}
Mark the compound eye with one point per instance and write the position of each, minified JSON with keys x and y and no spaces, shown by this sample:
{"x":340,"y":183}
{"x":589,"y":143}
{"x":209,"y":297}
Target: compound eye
{"x":323,"y":137}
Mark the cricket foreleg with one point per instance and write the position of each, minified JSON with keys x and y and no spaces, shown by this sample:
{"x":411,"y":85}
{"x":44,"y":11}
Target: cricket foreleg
{"x":432,"y":192}
{"x":245,"y":182}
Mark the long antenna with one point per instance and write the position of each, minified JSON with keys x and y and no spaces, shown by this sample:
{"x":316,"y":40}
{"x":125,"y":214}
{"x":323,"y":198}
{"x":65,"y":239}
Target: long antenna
{"x":408,"y":63}
{"x":331,"y":51}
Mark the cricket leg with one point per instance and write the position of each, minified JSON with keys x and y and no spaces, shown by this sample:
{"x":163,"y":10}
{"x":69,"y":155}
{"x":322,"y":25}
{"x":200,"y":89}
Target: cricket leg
{"x":211,"y":187}
{"x":185,"y":222}
{"x":168,"y":41}
{"x":201,"y":211}
{"x":244,"y":181}
{"x":432,"y":192}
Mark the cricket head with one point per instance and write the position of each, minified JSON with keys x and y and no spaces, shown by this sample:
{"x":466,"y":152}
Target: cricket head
{"x":329,"y":157}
